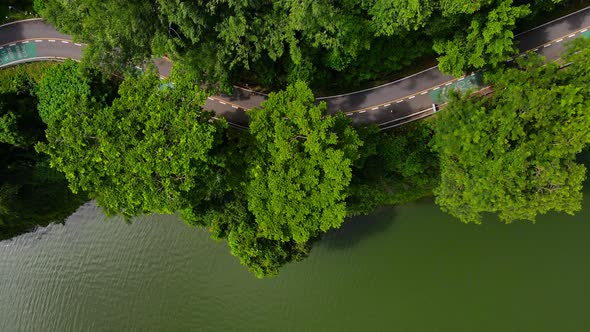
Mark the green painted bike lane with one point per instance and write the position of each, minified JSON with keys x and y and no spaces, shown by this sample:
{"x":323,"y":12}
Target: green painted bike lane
{"x":12,"y":53}
{"x":473,"y":81}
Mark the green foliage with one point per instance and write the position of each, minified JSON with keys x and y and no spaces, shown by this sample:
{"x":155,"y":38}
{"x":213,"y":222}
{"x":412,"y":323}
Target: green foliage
{"x":120,"y":33}
{"x":514,"y":153}
{"x":300,"y":168}
{"x":397,"y":166}
{"x":149,"y":151}
{"x":31,"y":194}
{"x":487,"y":41}
{"x":276,"y":43}
{"x":14,"y":10}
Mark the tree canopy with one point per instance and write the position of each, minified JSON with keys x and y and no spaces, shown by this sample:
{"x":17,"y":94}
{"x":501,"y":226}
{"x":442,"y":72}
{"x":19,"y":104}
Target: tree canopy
{"x":301,"y":166}
{"x":514,"y":153}
{"x":145,"y":152}
{"x":31,"y":194}
{"x":275,"y":43}
{"x":487,"y":41}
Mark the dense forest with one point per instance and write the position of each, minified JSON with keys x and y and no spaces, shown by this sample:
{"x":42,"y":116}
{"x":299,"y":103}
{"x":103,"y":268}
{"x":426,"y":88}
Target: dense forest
{"x":274,"y":43}
{"x":31,"y":192}
{"x":140,"y":145}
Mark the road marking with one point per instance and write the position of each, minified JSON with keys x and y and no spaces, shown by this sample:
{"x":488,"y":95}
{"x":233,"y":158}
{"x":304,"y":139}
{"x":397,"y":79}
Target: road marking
{"x":362,"y":111}
{"x":425,"y":92}
{"x":234,"y":106}
{"x":547,"y":45}
{"x":386,"y":105}
{"x":583,"y":30}
{"x":77,"y":44}
{"x":462,"y":78}
{"x":222,"y":103}
{"x":399,"y":101}
{"x":11,"y":44}
{"x":412,"y":97}
{"x":51,"y":40}
{"x":38,"y":41}
{"x":572,"y":35}
{"x":509,"y":60}
{"x":438,"y":87}
{"x":522,"y":54}
{"x":65,"y":42}
{"x":25,"y":42}
{"x":1,"y":47}
{"x":448,"y":83}
{"x":210,"y":98}
{"x":349,"y":114}
{"x":374,"y":108}
{"x":536,"y":50}
{"x":559,"y":40}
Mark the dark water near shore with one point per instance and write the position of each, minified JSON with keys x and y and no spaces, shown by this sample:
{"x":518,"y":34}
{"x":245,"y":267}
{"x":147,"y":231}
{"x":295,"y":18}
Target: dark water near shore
{"x":408,"y":268}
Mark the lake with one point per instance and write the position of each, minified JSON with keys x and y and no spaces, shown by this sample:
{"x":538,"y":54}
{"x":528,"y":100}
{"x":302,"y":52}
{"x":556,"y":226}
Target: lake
{"x":405,"y":268}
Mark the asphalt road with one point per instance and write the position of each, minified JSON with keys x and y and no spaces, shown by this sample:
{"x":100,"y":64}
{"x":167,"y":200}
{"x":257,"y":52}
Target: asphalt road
{"x":388,"y":105}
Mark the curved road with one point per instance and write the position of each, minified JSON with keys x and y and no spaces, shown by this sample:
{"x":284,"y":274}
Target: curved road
{"x":388,"y":105}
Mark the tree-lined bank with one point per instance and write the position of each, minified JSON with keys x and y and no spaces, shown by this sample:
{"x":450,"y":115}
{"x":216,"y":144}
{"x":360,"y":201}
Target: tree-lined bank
{"x":140,"y":145}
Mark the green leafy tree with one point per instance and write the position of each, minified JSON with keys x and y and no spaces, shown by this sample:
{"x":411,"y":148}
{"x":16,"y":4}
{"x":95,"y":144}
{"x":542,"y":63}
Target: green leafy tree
{"x":31,"y":194}
{"x":396,"y":166}
{"x":487,"y":41}
{"x":276,"y":43}
{"x":120,"y":34}
{"x":151,"y":150}
{"x":301,"y":168}
{"x":514,"y":153}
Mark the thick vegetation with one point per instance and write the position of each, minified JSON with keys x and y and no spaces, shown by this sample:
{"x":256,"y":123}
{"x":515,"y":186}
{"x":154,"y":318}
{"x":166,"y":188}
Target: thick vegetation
{"x":514,"y":153}
{"x":143,"y":145}
{"x":281,"y":42}
{"x":140,"y":145}
{"x":31,"y":193}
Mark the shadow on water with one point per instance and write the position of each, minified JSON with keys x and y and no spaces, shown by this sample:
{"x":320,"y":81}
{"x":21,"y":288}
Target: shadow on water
{"x":356,"y":229}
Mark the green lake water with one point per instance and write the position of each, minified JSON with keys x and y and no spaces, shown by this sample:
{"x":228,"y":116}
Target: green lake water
{"x":407,"y":268}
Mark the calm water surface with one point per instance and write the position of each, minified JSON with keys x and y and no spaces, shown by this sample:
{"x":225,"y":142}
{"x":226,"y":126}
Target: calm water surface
{"x":408,"y":268}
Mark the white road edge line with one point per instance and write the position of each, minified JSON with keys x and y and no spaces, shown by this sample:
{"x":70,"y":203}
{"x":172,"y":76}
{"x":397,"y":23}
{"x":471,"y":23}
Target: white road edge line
{"x":209,"y":98}
{"x":362,"y":111}
{"x":559,"y":40}
{"x":374,"y":108}
{"x":222,"y":103}
{"x":25,"y":42}
{"x":51,"y":41}
{"x":77,"y":44}
{"x":11,"y":44}
{"x":546,"y":45}
{"x":423,"y":93}
{"x":438,"y":87}
{"x":448,"y":83}
{"x":583,"y":30}
{"x":38,"y":41}
{"x":234,"y":106}
{"x":572,"y":35}
{"x":65,"y":42}
{"x":412,"y":97}
{"x":399,"y":101}
{"x":386,"y":105}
